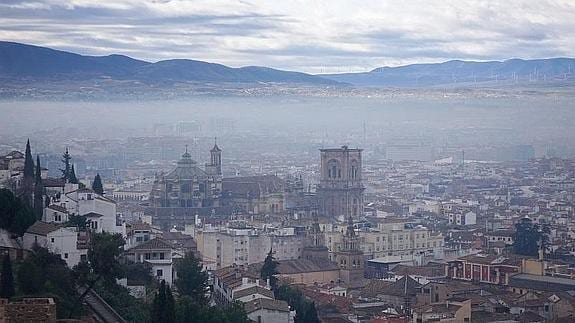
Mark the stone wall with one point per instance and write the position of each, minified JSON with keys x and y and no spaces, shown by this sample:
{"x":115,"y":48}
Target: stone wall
{"x":28,"y":310}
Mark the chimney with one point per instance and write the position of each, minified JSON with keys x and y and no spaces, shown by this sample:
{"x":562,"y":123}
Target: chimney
{"x":244,"y":280}
{"x":268,"y":283}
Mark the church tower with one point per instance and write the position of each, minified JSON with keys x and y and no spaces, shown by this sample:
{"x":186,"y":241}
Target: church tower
{"x":350,"y":257}
{"x":314,"y":247}
{"x":340,"y":191}
{"x":215,"y":165}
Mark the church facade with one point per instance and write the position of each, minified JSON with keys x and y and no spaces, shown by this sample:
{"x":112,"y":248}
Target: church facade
{"x":188,"y":185}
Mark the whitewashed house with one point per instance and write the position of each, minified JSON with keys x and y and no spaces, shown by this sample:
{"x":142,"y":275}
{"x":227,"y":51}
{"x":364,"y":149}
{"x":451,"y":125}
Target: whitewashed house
{"x":60,"y":240}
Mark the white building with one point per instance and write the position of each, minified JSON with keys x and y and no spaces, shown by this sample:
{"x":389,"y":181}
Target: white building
{"x":466,"y":218}
{"x":159,"y":254}
{"x":99,"y":210}
{"x":60,"y":240}
{"x":226,"y":247}
{"x":391,"y":238}
{"x":55,"y":214}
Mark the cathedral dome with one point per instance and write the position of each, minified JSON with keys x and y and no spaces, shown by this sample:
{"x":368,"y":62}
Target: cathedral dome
{"x":187,"y":168}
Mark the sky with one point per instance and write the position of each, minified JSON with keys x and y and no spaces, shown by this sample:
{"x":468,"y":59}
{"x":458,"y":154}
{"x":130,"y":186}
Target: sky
{"x":315,"y":36}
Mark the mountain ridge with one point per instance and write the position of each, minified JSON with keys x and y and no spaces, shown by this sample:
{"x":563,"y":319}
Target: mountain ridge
{"x":21,"y":61}
{"x":26,"y":64}
{"x":451,"y":72}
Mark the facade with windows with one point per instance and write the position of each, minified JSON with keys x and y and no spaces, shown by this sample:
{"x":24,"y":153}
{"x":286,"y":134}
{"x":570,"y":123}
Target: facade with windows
{"x":158,"y":255}
{"x":340,"y":191}
{"x":189,"y":186}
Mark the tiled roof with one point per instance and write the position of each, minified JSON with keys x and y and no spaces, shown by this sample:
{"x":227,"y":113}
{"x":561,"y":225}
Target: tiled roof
{"x":42,"y":228}
{"x":374,"y":288}
{"x":154,"y":244}
{"x":53,"y":182}
{"x":93,"y":215}
{"x":253,"y":290}
{"x":58,"y":208}
{"x":255,"y":186}
{"x":268,"y":304}
{"x":402,"y":287}
{"x":296,"y":266}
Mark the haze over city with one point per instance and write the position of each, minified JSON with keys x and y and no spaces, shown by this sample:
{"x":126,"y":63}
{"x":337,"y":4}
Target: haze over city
{"x":294,"y":162}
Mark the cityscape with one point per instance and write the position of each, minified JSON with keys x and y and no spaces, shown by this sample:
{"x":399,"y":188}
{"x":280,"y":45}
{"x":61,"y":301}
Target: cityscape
{"x":170,"y":161}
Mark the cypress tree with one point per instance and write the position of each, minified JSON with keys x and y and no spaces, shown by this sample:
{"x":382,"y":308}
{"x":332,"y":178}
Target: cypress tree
{"x":97,"y":185}
{"x":28,"y":180}
{"x":28,"y":162}
{"x":7,"y":279}
{"x":38,"y":191}
{"x":269,"y":270}
{"x":72,"y":177}
{"x":170,"y":309}
{"x":66,"y":171}
{"x":159,"y":304}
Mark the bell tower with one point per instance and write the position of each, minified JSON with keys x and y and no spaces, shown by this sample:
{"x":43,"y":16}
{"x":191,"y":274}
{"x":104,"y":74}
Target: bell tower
{"x":315,"y":243}
{"x":350,"y":258}
{"x":340,"y":191}
{"x":216,"y":158}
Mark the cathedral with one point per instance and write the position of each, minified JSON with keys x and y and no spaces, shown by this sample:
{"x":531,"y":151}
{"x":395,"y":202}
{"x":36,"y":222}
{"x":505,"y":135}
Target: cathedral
{"x":340,"y":191}
{"x":190,"y":190}
{"x":188,"y":185}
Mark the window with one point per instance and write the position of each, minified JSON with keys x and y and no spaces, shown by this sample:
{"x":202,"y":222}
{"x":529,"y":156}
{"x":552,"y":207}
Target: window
{"x":65,"y":256}
{"x":52,"y":240}
{"x":147,"y":256}
{"x":159,"y":272}
{"x":161,"y":255}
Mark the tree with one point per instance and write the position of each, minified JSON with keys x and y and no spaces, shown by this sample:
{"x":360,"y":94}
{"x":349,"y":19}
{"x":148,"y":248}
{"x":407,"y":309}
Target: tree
{"x":163,"y":310}
{"x":28,"y":180}
{"x":105,"y":249}
{"x":73,"y":178}
{"x":305,"y":310}
{"x":45,"y":273}
{"x":170,"y":310}
{"x":528,"y":238}
{"x":307,"y":313}
{"x":30,"y":277}
{"x":7,"y":279}
{"x":192,"y":281}
{"x":103,"y":253}
{"x":78,"y":221}
{"x":67,"y":166}
{"x":38,"y":191}
{"x":15,"y":215}
{"x":269,"y":270}
{"x":97,"y":185}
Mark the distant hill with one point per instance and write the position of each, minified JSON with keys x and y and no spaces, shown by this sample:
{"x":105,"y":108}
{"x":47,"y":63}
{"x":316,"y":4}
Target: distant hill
{"x":465,"y":73}
{"x":27,"y":63}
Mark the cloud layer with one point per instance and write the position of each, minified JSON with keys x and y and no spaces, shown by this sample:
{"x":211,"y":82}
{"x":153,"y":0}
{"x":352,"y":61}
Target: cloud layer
{"x":312,"y":36}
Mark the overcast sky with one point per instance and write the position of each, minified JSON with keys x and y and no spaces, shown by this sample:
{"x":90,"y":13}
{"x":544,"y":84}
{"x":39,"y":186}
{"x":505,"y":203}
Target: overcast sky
{"x":312,"y":36}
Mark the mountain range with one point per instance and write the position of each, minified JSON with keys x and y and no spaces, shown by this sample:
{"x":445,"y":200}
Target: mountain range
{"x":26,"y":64}
{"x":23,"y":62}
{"x":465,"y":73}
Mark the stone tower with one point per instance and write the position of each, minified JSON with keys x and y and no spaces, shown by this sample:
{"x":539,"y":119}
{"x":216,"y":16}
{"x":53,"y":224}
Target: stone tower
{"x":315,"y":243}
{"x":340,"y":191}
{"x":215,"y":165}
{"x":350,"y":257}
